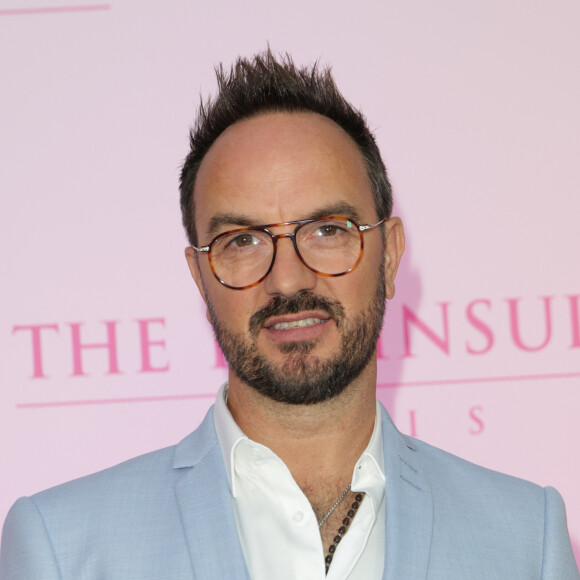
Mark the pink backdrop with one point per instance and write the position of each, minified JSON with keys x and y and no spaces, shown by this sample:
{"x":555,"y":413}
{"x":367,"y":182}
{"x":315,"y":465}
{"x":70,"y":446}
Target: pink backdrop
{"x":475,"y":106}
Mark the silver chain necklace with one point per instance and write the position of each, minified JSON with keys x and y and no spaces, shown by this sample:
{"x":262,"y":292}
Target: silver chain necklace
{"x":334,"y":506}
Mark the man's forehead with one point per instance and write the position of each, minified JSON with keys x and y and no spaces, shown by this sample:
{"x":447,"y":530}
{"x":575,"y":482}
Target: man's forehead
{"x":273,"y":125}
{"x":260,"y":140}
{"x":280,"y":167}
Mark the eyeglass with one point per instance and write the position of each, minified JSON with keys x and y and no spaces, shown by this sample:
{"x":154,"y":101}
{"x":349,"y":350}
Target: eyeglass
{"x":329,"y":246}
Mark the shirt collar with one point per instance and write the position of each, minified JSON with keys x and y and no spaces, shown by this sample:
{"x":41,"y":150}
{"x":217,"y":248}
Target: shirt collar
{"x":368,"y":474}
{"x":369,"y":471}
{"x":228,"y":433}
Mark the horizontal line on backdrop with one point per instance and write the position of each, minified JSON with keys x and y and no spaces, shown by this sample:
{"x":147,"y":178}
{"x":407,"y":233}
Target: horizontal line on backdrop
{"x":440,"y":382}
{"x":113,"y":401}
{"x":480,"y":380}
{"x":54,"y":9}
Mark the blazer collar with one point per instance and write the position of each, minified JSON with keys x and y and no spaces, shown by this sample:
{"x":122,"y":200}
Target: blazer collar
{"x":205,"y":505}
{"x":209,"y":525}
{"x":409,"y":504}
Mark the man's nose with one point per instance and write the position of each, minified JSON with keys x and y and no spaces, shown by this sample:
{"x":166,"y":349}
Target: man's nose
{"x":289,"y":275}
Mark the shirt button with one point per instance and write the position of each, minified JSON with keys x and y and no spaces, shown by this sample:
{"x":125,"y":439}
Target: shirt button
{"x":298,"y":516}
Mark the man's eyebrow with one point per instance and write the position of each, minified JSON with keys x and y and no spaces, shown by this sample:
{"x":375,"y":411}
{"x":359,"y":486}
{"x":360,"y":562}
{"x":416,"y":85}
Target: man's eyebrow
{"x":218,"y":221}
{"x":341,"y":208}
{"x":235,"y":220}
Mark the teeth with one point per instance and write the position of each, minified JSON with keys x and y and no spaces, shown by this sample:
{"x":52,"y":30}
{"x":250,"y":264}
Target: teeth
{"x":297,"y":323}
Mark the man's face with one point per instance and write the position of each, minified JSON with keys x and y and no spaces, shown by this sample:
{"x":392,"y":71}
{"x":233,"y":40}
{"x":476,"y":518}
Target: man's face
{"x":297,"y":337}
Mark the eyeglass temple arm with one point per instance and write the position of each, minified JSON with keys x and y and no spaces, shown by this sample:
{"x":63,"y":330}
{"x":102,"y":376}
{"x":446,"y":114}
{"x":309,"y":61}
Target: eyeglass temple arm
{"x":370,"y":226}
{"x":201,"y":248}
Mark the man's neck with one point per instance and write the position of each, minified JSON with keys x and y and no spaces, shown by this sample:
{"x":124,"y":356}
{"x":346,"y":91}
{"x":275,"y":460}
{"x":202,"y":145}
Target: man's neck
{"x":320,"y":443}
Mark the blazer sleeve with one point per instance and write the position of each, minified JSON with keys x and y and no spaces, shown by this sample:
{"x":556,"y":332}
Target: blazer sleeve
{"x":26,"y":552}
{"x":558,"y":562}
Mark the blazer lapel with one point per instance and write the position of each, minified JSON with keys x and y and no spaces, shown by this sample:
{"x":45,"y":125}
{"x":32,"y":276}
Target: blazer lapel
{"x":208,"y":520}
{"x":205,"y":504}
{"x":409,"y":521}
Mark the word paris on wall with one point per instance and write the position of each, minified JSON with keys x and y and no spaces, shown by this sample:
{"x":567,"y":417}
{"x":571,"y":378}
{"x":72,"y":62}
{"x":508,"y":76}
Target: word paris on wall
{"x":154,"y":353}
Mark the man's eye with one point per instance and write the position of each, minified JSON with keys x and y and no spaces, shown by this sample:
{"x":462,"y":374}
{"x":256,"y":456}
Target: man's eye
{"x":328,"y":230}
{"x":244,"y":240}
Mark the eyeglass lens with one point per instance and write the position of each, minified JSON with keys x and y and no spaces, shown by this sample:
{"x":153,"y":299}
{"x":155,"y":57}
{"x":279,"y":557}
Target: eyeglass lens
{"x":329,"y":246}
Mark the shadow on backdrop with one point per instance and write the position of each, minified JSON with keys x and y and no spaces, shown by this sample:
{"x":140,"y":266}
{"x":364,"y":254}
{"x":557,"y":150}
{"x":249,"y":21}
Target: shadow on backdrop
{"x":408,"y":291}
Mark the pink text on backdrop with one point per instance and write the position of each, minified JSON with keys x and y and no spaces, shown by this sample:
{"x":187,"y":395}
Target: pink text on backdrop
{"x":403,"y":345}
{"x":410,"y":421}
{"x":441,"y":338}
{"x":38,"y":332}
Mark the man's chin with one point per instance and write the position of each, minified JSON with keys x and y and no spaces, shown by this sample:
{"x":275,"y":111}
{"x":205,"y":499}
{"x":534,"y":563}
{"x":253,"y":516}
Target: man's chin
{"x":295,"y":363}
{"x":300,"y":368}
{"x":299,"y":362}
{"x":298,"y":347}
{"x":300,"y":379}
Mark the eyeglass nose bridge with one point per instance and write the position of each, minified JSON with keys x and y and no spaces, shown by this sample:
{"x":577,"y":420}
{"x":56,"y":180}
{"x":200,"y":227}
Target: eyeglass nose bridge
{"x":292,"y":236}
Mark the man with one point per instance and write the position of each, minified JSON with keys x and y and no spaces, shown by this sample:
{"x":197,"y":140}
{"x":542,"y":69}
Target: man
{"x":297,"y":472}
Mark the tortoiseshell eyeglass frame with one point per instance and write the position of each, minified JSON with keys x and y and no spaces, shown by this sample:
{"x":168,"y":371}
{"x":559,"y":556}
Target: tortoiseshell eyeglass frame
{"x":292,"y":235}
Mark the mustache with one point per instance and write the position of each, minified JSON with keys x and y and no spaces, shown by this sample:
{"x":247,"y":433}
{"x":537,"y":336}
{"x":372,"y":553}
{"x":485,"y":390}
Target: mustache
{"x":303,"y":300}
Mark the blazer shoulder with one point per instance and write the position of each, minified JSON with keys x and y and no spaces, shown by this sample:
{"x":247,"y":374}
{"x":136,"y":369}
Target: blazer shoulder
{"x":135,"y":477}
{"x":445,"y":468}
{"x":517,"y":527}
{"x":121,"y":522}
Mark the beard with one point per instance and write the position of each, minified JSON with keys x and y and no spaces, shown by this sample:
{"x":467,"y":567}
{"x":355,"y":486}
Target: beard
{"x":303,"y":378}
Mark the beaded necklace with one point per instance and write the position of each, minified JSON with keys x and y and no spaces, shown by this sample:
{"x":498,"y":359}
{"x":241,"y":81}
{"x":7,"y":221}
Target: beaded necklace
{"x":343,"y":529}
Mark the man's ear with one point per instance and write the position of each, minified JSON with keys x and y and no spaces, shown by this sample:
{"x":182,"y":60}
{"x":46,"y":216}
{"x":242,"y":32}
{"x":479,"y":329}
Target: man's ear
{"x":394,"y":248}
{"x":193,"y":263}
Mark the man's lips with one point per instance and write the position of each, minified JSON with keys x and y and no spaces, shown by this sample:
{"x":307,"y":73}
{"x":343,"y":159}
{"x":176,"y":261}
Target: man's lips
{"x":295,"y":321}
{"x":305,"y":312}
{"x":304,"y":327}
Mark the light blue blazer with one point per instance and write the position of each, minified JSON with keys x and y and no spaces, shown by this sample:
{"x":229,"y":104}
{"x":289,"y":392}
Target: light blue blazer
{"x":168,"y":515}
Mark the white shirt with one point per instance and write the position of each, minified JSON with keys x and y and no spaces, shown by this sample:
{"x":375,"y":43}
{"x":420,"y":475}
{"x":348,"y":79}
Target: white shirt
{"x":277,"y":527}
